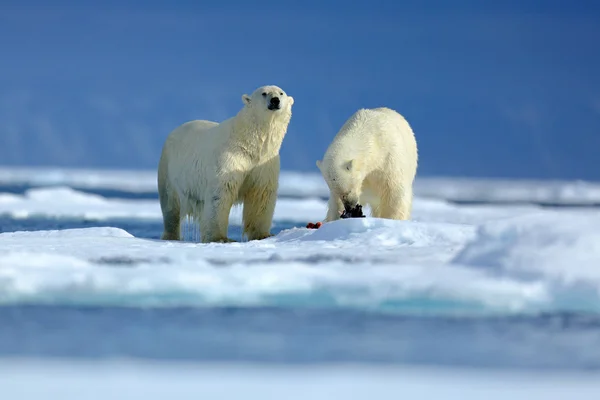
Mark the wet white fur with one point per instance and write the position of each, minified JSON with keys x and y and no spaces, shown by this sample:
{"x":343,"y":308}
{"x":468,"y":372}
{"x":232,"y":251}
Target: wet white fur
{"x":207,"y":167}
{"x":372,"y":161}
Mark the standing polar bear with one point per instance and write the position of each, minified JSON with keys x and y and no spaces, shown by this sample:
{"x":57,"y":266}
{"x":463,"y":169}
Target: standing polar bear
{"x":371,"y":161}
{"x":207,"y":167}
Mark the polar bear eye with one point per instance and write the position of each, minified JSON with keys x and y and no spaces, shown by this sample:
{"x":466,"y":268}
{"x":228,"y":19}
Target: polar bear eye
{"x":281,"y":93}
{"x":264,"y":94}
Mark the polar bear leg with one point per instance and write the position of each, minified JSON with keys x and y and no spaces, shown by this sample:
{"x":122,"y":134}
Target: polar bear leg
{"x":376,"y":211}
{"x":214,"y":222}
{"x":259,"y":207}
{"x":171,"y":217}
{"x":397,"y":204}
{"x":259,"y":201}
{"x":169,"y":205}
{"x":406,"y":203}
{"x":334,"y":208}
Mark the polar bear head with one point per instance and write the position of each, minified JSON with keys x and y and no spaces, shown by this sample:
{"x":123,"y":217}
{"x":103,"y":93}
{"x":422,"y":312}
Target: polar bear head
{"x":343,"y":176}
{"x":269,"y":101}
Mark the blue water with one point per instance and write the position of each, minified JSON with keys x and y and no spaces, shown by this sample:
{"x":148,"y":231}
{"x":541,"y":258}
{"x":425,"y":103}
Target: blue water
{"x":288,"y":335}
{"x":285,"y":334}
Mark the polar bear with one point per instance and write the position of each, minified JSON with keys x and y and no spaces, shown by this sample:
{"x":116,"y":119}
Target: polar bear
{"x":207,"y":167}
{"x":371,"y":161}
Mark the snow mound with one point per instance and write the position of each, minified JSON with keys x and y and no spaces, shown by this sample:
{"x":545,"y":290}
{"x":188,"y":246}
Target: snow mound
{"x":361,"y":232}
{"x":46,"y":278}
{"x":375,"y":264}
{"x":560,"y":251}
{"x":565,"y":248}
{"x":532,"y":262}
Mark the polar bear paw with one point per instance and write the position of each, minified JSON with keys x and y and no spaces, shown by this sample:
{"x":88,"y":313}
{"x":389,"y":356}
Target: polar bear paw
{"x":262,"y":237}
{"x":220,"y":240}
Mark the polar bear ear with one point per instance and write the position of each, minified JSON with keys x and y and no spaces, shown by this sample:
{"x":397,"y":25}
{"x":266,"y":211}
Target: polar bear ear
{"x":350,"y":165}
{"x":246,"y":99}
{"x":291,"y":100}
{"x":319,"y":164}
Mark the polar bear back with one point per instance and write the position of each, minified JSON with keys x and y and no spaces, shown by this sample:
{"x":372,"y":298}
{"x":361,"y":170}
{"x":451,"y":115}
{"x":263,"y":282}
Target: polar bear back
{"x":375,"y":136}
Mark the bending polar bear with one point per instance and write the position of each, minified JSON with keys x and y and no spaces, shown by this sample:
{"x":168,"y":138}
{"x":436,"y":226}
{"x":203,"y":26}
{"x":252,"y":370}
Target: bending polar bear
{"x":207,"y":167}
{"x":371,"y":161}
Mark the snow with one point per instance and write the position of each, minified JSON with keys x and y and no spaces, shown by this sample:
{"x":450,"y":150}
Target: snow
{"x":25,"y":380}
{"x":566,"y":247}
{"x":471,"y":258}
{"x":44,"y":266}
{"x":362,"y":263}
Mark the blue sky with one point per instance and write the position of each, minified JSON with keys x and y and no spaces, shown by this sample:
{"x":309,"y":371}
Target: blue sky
{"x":492,"y":89}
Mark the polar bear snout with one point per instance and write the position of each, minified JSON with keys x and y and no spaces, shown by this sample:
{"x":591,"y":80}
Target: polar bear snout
{"x":349,"y":205}
{"x":350,"y":201}
{"x":354,"y":212}
{"x":274,"y":104}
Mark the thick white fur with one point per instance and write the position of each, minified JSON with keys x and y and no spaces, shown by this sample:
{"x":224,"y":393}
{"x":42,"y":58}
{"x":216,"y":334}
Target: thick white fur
{"x":206,"y":167}
{"x":371,"y":161}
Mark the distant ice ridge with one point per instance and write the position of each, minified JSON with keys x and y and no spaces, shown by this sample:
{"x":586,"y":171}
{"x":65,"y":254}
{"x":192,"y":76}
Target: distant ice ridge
{"x":134,"y":181}
{"x":299,"y":184}
{"x":539,"y":262}
{"x":66,"y":202}
{"x":291,"y":183}
{"x":72,"y":380}
{"x":575,"y":193}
